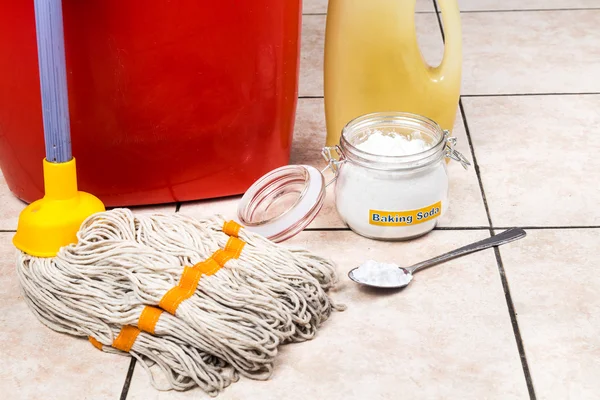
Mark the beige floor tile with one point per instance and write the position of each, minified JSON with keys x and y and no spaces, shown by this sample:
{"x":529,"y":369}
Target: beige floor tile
{"x":424,"y":6}
{"x":311,"y":56}
{"x":489,"y":5}
{"x":10,"y":207}
{"x":38,"y":363}
{"x":313,"y":42}
{"x":309,"y":133}
{"x":320,"y":6}
{"x":556,"y":296}
{"x":542,"y":52}
{"x":448,"y":335}
{"x":466,"y":207}
{"x":466,"y":202}
{"x":314,"y":6}
{"x":537,"y":156}
{"x":226,"y":206}
{"x":157,"y":208}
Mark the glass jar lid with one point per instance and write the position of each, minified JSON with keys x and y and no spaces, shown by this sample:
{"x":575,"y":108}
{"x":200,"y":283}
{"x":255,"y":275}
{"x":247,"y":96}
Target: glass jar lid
{"x":283,"y":202}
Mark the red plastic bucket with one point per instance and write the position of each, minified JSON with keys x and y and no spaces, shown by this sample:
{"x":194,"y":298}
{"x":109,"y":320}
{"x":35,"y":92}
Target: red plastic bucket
{"x":169,"y":100}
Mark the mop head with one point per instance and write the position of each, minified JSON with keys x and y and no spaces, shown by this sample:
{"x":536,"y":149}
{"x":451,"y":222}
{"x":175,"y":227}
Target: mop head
{"x":203,"y":301}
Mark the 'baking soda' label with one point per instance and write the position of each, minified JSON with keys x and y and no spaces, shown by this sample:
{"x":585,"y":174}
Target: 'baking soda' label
{"x":404,"y":218}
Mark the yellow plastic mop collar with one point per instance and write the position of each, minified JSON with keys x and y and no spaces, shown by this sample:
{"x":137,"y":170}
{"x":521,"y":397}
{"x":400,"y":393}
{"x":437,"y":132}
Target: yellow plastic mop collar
{"x":52,"y":222}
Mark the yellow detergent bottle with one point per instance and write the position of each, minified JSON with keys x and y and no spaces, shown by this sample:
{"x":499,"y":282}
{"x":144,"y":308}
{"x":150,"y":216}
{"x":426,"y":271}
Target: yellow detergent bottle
{"x":373,"y":63}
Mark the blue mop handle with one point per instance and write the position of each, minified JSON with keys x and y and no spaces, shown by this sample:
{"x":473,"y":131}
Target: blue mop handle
{"x":53,"y":80}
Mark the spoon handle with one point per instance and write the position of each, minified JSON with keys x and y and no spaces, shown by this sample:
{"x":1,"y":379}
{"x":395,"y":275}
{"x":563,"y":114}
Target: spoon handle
{"x":497,"y":240}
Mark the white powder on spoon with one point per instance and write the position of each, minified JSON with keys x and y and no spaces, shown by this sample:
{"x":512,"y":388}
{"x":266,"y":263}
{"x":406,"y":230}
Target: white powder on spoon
{"x":381,"y":274}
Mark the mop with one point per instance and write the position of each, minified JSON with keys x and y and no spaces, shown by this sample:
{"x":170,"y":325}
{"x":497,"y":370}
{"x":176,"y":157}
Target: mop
{"x":204,"y":301}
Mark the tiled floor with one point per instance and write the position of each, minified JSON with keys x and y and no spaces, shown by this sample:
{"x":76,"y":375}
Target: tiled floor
{"x":521,"y":321}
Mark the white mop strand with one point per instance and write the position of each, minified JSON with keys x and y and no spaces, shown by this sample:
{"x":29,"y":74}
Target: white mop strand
{"x":320,"y":268}
{"x":221,"y":287}
{"x":295,"y":267}
{"x":144,"y":272}
{"x":231,"y":323}
{"x":103,"y":292}
{"x":183,"y":366}
{"x":292,"y":266}
{"x":190,"y":241}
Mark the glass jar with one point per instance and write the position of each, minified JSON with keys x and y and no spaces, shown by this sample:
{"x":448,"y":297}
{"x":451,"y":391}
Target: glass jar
{"x":380,"y":197}
{"x":392,"y":197}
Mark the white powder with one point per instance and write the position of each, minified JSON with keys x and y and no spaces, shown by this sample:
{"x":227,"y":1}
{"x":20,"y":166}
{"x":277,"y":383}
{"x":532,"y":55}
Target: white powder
{"x":393,"y":197}
{"x":393,"y":144}
{"x":381,"y":274}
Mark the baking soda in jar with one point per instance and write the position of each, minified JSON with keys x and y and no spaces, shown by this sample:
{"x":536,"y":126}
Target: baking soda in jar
{"x":392,"y":180}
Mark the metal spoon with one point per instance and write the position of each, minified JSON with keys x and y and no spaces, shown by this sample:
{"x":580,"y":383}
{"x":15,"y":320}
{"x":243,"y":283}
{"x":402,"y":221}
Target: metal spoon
{"x":497,"y":240}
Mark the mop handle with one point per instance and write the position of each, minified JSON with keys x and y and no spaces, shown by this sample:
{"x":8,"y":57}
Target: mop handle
{"x":53,"y":79}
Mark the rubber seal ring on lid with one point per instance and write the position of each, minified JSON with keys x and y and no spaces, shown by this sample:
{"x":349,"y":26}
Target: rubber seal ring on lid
{"x":283,"y":202}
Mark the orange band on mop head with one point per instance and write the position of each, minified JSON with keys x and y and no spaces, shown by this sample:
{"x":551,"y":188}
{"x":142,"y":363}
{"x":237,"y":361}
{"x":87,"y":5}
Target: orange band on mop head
{"x":191,"y":276}
{"x":126,"y":338}
{"x":148,"y":319}
{"x":233,"y":249}
{"x":222,"y":256}
{"x":235,"y":246}
{"x":232,"y":228}
{"x":187,"y":286}
{"x":208,"y":267}
{"x":95,"y":343}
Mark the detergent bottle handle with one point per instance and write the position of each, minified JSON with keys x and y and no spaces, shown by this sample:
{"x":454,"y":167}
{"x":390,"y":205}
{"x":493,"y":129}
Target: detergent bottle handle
{"x":450,"y":68}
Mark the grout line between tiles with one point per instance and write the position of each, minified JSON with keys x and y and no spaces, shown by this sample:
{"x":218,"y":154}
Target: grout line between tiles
{"x":128,"y":378}
{"x":437,"y":14}
{"x":468,"y":133}
{"x":529,"y":10}
{"x":437,"y":228}
{"x":460,"y":228}
{"x":491,"y":11}
{"x":531,"y":94}
{"x":503,"y":279}
{"x":499,"y":264}
{"x":553,"y":227}
{"x":333,"y":229}
{"x":440,"y":228}
{"x":324,"y":13}
{"x":514,"y":322}
{"x":475,"y":163}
